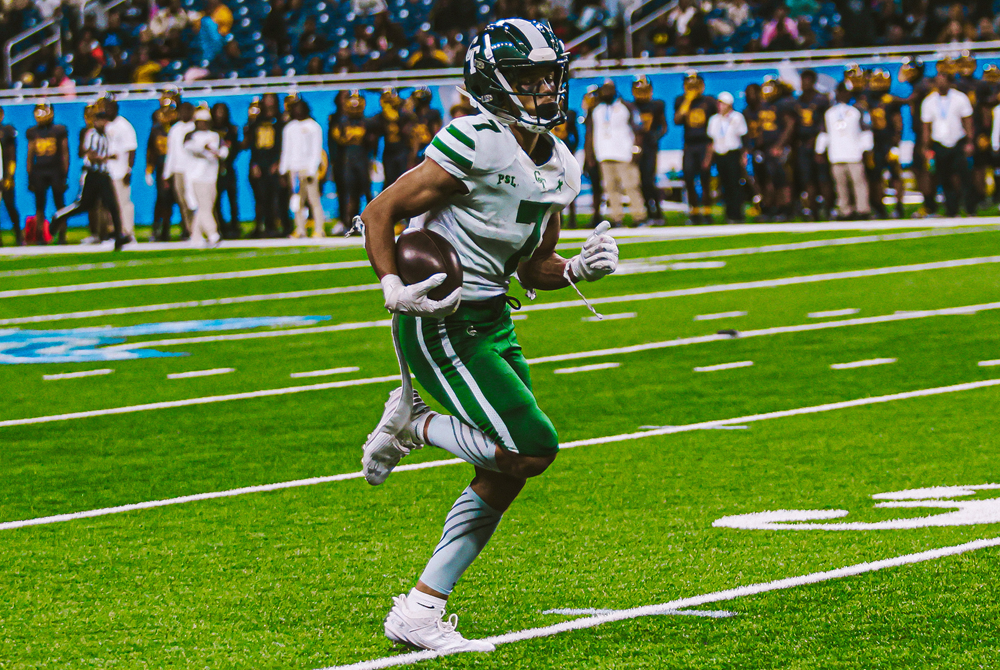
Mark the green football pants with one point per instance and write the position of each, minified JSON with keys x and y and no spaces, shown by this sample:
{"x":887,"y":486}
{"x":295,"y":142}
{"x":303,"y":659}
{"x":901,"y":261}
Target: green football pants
{"x":471,"y":363}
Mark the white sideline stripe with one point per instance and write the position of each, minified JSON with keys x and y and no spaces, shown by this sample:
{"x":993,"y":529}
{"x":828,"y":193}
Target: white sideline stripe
{"x":988,"y":364}
{"x":665,"y":430}
{"x":139,"y":309}
{"x":697,"y":265}
{"x":250,"y":336}
{"x":663,"y":608}
{"x":862,"y":364}
{"x":75,"y":375}
{"x":778,"y":330}
{"x":968,"y":309}
{"x":184,"y":279}
{"x":112,"y":265}
{"x":700,"y":290}
{"x":200,"y":373}
{"x":324,"y":244}
{"x":198,"y":401}
{"x":724,"y":366}
{"x":610,"y":317}
{"x":586,"y":368}
{"x":518,"y":317}
{"x":719,"y":315}
{"x":323,"y":373}
{"x":816,"y":244}
{"x":769,"y":283}
{"x":712,"y":614}
{"x":833,"y":312}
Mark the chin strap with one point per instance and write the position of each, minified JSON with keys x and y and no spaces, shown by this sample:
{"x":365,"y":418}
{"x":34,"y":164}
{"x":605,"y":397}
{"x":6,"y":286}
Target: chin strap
{"x":569,"y":277}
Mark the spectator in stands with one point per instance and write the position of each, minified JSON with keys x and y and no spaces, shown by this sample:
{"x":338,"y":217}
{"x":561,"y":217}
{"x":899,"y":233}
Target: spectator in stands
{"x":385,"y":57}
{"x":610,"y":142}
{"x":734,"y":14}
{"x":209,"y":38}
{"x":844,"y":141}
{"x":61,"y":81}
{"x":88,"y":58}
{"x":48,"y":8}
{"x":315,"y":66}
{"x":156,"y":153}
{"x":175,"y":165}
{"x":680,"y":16}
{"x":426,"y":122}
{"x":221,"y":14}
{"x":229,"y":60}
{"x":986,"y":32}
{"x":229,"y":135}
{"x":343,"y":64}
{"x":275,"y":29}
{"x":781,"y":33}
{"x":301,"y":158}
{"x":429,"y":56}
{"x":122,"y":145}
{"x":167,"y":19}
{"x":311,"y":42}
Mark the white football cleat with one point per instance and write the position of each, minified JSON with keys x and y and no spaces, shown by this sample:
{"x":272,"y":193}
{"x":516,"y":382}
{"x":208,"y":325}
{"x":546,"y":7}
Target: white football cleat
{"x":408,"y":627}
{"x":392,"y":438}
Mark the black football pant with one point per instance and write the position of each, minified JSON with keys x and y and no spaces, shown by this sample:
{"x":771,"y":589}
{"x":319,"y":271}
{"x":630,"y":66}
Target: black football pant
{"x":15,"y":217}
{"x":694,"y":171}
{"x":265,"y":193}
{"x":597,"y":189}
{"x":163,"y":210}
{"x":394,"y":164}
{"x":97,"y":188}
{"x":952,"y":168}
{"x":647,"y":180}
{"x":226,"y":185}
{"x":730,"y":172}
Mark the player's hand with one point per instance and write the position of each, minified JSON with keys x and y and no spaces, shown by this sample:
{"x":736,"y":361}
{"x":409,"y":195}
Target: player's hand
{"x":127,"y":179}
{"x":599,"y":256}
{"x":255,"y":172}
{"x":149,"y":179}
{"x":8,"y":184}
{"x":413,"y":300}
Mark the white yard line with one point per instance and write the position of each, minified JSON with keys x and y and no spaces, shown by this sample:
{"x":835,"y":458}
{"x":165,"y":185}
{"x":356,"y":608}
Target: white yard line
{"x":129,"y":409}
{"x":719,"y":315}
{"x":635,"y":297}
{"x":769,"y":283}
{"x":250,"y":336}
{"x":200,"y":373}
{"x":697,"y":265}
{"x":989,"y":364}
{"x":184,"y":279}
{"x":624,"y":437}
{"x":323,"y":373}
{"x":77,"y":375}
{"x":779,"y":330}
{"x":833,"y":313}
{"x":862,"y":364}
{"x":590,"y":611}
{"x":610,"y":317}
{"x":68,"y":250}
{"x":724,"y":366}
{"x":586,"y":368}
{"x":518,"y":317}
{"x":668,"y":607}
{"x":212,"y":302}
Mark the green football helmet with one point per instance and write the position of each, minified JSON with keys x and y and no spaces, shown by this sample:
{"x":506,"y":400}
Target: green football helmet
{"x":513,"y":59}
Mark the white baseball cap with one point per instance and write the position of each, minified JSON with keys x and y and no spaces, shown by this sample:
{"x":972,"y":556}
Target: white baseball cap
{"x":727,"y":98}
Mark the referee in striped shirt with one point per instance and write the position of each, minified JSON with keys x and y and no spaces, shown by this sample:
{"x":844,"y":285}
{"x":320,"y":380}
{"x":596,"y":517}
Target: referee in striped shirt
{"x":97,"y":185}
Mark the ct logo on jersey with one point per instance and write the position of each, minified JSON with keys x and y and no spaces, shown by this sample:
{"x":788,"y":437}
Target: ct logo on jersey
{"x":965,"y":512}
{"x":80,"y":345}
{"x":541,"y":180}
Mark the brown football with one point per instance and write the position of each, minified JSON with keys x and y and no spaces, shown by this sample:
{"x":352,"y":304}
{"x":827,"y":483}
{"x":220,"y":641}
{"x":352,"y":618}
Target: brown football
{"x":421,"y":253}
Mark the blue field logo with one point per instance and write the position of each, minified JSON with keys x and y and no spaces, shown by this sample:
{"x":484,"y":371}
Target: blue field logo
{"x":82,"y":345}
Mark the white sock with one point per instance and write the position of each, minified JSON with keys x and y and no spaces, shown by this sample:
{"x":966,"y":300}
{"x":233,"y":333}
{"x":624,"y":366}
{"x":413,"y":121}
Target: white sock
{"x":456,"y":437}
{"x":425,"y":604}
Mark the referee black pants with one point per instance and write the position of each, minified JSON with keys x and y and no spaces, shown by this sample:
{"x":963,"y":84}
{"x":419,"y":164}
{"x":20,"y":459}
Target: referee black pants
{"x":951,"y":166}
{"x":97,"y":188}
{"x":730,"y":172}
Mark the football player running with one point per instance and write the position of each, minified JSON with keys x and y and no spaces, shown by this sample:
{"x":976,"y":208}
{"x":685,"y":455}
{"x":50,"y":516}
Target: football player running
{"x":493,"y":184}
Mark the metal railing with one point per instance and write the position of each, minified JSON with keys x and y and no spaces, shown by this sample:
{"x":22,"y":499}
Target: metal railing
{"x":632,"y":28}
{"x":10,"y":60}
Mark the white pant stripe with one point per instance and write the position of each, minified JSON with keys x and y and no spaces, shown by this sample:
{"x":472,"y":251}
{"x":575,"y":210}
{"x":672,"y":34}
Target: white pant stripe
{"x":491,"y":414}
{"x":438,"y":373}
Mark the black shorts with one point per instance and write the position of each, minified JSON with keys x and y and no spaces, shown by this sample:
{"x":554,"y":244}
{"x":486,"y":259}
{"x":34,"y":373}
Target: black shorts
{"x":43,"y":181}
{"x":774,"y":167}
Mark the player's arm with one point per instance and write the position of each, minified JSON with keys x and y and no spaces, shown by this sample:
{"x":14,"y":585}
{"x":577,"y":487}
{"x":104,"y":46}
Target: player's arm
{"x":31,"y":154}
{"x":546,"y":270}
{"x":423,"y":188}
{"x":64,"y":149}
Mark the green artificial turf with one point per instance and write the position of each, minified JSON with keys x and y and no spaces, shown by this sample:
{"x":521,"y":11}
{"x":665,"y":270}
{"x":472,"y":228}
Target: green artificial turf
{"x":302,"y":577}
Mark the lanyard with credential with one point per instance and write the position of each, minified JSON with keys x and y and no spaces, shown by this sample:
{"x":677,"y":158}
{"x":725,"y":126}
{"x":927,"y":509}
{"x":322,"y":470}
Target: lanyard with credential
{"x":944,"y":105}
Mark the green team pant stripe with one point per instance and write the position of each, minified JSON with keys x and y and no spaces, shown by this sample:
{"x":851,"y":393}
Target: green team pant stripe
{"x":461,"y":137}
{"x":474,"y":367}
{"x":451,"y":153}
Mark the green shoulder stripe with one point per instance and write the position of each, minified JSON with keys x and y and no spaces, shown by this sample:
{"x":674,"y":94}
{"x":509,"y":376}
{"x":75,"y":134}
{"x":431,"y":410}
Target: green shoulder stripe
{"x":451,"y":153}
{"x":461,"y":137}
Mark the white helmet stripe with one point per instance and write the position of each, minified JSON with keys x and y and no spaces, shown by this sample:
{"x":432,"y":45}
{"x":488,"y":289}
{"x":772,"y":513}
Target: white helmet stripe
{"x":530,"y":32}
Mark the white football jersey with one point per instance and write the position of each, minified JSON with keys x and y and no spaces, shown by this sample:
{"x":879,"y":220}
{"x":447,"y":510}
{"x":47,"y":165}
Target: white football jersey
{"x":511,"y":200}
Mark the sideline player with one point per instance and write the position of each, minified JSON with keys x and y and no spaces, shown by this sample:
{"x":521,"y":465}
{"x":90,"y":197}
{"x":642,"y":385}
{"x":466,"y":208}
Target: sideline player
{"x":495,"y":184}
{"x":48,"y":161}
{"x":912,"y":72}
{"x":692,"y":110}
{"x":654,"y":127}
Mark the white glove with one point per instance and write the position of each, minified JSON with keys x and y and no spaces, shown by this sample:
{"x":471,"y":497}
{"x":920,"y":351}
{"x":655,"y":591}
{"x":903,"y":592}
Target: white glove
{"x":599,"y":256}
{"x":413,"y":300}
{"x":149,"y":179}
